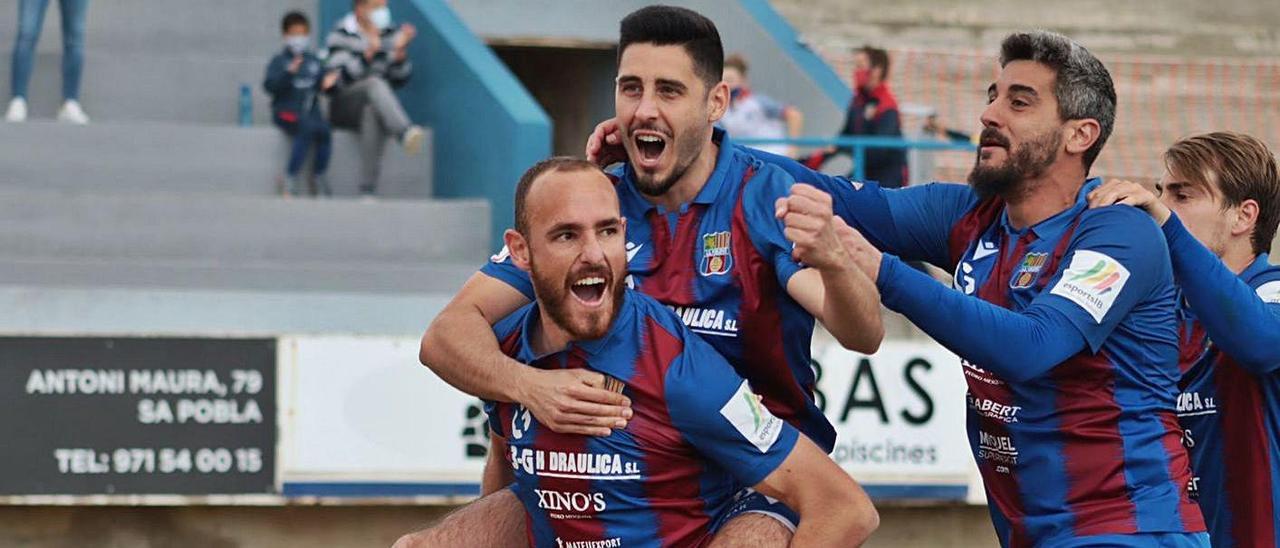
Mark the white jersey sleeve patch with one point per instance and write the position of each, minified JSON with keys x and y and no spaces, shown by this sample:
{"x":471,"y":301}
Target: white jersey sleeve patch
{"x":1093,"y":280}
{"x":1270,"y":292}
{"x":747,"y":413}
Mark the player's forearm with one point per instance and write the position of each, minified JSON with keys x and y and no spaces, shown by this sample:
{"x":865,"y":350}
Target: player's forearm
{"x":851,"y":308}
{"x":1016,"y":346}
{"x":462,"y":350}
{"x":842,"y":518}
{"x":1233,"y":315}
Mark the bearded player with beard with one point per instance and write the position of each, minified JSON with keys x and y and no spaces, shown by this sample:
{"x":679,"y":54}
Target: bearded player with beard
{"x":1064,"y":317}
{"x":698,"y":431}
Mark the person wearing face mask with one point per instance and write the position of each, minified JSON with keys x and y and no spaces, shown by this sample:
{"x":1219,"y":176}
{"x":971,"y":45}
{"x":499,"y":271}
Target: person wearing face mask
{"x":873,"y":111}
{"x":294,"y":78}
{"x":755,"y":115}
{"x":371,"y":55}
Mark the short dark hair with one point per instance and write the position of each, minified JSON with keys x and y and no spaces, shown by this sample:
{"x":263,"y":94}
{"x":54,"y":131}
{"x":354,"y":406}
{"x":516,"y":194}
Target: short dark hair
{"x":878,"y":58}
{"x":675,"y":26}
{"x":1240,"y":167}
{"x":554,"y":163}
{"x":1083,"y":86}
{"x":293,"y":18}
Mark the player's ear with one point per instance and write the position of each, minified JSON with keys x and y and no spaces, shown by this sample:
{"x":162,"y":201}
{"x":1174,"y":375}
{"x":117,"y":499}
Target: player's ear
{"x":1082,"y":134}
{"x":518,"y":247}
{"x":717,"y":101}
{"x":1246,"y":218}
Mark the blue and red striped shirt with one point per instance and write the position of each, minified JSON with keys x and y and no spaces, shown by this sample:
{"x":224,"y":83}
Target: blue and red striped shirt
{"x":1070,"y":451}
{"x":1229,"y":407}
{"x":722,"y":263}
{"x":697,"y":436}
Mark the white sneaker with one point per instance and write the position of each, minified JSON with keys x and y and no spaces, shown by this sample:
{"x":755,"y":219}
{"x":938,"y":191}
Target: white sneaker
{"x":412,"y":140}
{"x":72,"y":113}
{"x":17,"y":110}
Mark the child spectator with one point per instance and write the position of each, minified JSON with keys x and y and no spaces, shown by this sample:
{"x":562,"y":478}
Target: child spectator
{"x":295,"y":77}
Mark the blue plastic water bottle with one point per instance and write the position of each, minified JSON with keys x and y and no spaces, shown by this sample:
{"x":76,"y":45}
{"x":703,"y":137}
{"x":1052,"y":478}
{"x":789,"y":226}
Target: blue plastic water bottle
{"x":246,"y":105}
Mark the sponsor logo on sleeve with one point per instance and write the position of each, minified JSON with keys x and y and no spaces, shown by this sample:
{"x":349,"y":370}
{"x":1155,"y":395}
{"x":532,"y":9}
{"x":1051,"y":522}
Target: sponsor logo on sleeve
{"x":747,"y":413}
{"x":1093,"y":280}
{"x":1270,"y":292}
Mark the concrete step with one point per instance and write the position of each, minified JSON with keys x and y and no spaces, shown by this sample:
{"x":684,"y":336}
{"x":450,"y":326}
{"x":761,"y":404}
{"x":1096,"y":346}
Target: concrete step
{"x":50,"y":310}
{"x":313,"y":277}
{"x":233,"y":230}
{"x":226,"y":28}
{"x":178,"y":157}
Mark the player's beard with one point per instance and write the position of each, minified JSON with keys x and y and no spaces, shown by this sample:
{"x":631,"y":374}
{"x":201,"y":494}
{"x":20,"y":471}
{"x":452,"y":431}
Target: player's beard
{"x":686,"y":148}
{"x":554,"y":296}
{"x":1028,"y":161}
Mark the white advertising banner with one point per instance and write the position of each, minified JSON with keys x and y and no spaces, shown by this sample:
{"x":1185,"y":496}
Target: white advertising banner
{"x":361,"y":417}
{"x":899,"y":415}
{"x":362,"y":409}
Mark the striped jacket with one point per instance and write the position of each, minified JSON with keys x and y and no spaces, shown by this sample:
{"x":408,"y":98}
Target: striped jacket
{"x":346,"y":53}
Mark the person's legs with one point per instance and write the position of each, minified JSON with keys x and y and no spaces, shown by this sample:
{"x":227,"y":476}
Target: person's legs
{"x":297,"y":153}
{"x":373,"y":138}
{"x":353,"y":107}
{"x":755,"y":521}
{"x":73,"y":15}
{"x":387,"y":105}
{"x":320,"y":135}
{"x":495,"y":521}
{"x":30,"y":19}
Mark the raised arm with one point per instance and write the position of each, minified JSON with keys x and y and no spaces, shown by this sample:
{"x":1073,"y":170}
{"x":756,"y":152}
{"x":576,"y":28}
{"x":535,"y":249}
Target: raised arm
{"x":461,"y":348}
{"x":832,"y":288}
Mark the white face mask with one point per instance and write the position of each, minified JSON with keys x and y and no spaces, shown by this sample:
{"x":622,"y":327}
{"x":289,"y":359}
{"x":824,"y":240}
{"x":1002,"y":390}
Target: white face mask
{"x":381,"y":17}
{"x":297,"y":44}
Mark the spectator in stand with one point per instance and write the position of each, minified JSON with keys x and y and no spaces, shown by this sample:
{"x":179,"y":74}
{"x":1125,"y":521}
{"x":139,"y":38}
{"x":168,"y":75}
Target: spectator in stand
{"x":30,"y":19}
{"x":755,"y":115}
{"x":371,"y":54}
{"x":874,"y":111}
{"x":294,"y":78}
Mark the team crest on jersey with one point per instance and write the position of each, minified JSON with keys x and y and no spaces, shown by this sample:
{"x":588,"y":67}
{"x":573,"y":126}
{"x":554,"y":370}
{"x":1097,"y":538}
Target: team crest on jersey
{"x":1028,"y":270}
{"x":717,"y":257}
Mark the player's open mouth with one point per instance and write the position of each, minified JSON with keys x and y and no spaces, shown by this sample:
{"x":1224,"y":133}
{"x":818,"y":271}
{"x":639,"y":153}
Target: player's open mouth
{"x":589,"y":290}
{"x":650,"y":145}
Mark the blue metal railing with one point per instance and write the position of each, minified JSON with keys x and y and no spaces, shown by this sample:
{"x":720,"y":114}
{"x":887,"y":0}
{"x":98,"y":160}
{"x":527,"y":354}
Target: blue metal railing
{"x":860,"y":144}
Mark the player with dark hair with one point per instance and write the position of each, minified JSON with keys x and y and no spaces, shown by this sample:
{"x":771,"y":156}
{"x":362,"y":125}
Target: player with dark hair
{"x":703,"y":240}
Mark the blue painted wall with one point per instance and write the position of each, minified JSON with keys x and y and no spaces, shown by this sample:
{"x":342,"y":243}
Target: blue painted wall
{"x":487,"y":128}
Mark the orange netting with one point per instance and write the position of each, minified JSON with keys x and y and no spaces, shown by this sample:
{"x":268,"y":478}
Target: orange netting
{"x":1160,"y":100}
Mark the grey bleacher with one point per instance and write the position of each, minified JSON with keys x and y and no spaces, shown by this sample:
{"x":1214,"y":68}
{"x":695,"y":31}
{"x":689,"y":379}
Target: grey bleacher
{"x":161,"y":217}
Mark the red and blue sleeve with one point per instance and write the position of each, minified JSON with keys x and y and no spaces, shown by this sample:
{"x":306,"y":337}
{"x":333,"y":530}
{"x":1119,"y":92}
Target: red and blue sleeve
{"x":764,"y":228}
{"x":1015,"y":345}
{"x":1237,"y":316}
{"x":715,"y":410}
{"x":913,"y":223}
{"x":1117,"y":259}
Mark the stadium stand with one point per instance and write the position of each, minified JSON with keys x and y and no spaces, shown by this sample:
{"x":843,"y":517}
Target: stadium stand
{"x":160,"y":217}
